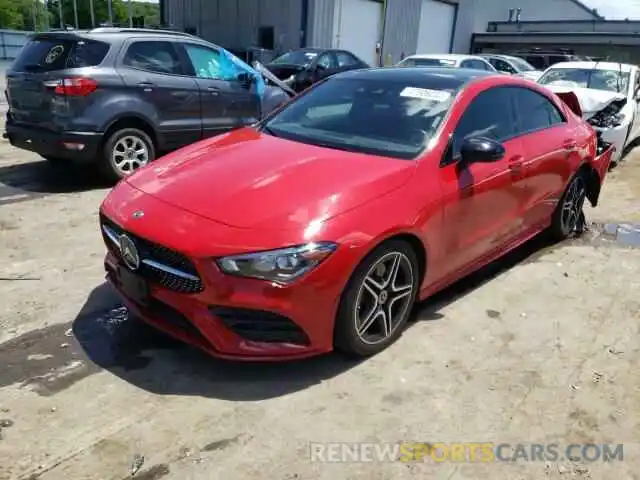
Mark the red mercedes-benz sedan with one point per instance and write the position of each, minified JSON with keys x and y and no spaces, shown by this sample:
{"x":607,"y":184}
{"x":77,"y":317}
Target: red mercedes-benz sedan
{"x":318,"y":228}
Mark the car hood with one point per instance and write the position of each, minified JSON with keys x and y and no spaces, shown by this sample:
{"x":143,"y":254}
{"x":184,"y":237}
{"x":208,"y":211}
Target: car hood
{"x":247,"y":179}
{"x":589,"y":101}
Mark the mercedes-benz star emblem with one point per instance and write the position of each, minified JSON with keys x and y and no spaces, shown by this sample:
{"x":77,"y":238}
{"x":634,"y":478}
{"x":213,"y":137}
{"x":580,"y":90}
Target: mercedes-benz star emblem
{"x":138,"y":214}
{"x":129,"y":252}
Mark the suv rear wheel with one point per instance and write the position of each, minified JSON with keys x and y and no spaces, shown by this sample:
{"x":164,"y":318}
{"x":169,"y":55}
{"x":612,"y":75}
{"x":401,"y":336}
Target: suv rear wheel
{"x":125,"y":151}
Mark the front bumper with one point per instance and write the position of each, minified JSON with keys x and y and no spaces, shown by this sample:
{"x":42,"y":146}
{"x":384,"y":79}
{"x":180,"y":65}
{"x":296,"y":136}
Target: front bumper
{"x":76,"y":146}
{"x":257,"y":326}
{"x":617,"y":137}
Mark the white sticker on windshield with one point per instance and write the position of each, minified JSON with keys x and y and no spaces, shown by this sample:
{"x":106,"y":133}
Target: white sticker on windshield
{"x":425,"y":94}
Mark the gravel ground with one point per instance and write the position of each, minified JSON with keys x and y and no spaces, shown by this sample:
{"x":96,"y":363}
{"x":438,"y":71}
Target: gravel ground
{"x":540,"y":348}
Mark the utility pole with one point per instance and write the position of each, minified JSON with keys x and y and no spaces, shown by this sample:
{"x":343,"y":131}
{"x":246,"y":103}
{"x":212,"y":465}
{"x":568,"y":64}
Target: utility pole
{"x":110,"y":12}
{"x":34,"y":12}
{"x":60,"y":14}
{"x":75,"y":13}
{"x":93,"y":14}
{"x":130,"y":15}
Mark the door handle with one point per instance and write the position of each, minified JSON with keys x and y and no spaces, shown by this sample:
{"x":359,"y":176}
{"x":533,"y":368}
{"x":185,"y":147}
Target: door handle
{"x":569,"y":145}
{"x":146,"y":86}
{"x":213,"y":90}
{"x":516,"y":162}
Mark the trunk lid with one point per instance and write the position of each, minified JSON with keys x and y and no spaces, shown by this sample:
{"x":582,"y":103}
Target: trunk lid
{"x":43,"y":64}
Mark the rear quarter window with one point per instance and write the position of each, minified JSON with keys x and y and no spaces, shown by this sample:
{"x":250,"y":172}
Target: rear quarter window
{"x":49,"y":54}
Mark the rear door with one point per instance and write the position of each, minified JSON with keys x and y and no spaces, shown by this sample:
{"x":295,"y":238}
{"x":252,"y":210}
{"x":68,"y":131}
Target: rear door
{"x":43,"y":64}
{"x":548,"y":143}
{"x":226,"y":102}
{"x":154,"y":72}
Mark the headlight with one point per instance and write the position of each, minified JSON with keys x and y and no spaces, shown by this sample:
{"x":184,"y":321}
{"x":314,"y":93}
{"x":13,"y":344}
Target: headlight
{"x":283,"y":265}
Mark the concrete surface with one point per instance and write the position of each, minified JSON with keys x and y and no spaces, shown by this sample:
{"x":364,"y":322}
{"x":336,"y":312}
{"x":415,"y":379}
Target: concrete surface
{"x":540,"y":348}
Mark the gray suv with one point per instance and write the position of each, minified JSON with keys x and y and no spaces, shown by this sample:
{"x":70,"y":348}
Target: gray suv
{"x":121,"y":97}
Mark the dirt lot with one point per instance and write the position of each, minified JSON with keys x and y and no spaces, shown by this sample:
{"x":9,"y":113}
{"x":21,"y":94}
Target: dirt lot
{"x":542,"y":348}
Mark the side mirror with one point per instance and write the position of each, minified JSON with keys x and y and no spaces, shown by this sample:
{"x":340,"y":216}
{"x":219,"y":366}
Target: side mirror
{"x":481,"y":150}
{"x":246,"y":80}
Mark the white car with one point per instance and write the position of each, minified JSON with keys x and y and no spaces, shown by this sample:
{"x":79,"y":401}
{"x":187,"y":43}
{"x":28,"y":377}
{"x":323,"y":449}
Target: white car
{"x":513,"y":66}
{"x":450,"y":60}
{"x":608,"y":97}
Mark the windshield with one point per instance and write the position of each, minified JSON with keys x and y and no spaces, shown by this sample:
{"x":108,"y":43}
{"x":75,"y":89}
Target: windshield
{"x":427,"y":62}
{"x":521,"y":65}
{"x":378,"y":117}
{"x":609,"y":80}
{"x":298,"y":57}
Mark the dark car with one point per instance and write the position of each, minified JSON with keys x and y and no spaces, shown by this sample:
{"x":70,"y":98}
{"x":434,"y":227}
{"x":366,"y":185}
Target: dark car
{"x":121,"y":97}
{"x":300,"y":69}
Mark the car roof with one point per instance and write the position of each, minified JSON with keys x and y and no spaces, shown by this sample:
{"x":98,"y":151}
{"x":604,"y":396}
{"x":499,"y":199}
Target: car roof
{"x":456,"y":77}
{"x":625,"y":67}
{"x":501,"y":56}
{"x":115,"y":33}
{"x":445,"y":56}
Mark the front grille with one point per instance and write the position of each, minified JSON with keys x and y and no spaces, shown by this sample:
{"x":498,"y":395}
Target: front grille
{"x":160,"y":264}
{"x":260,"y":326}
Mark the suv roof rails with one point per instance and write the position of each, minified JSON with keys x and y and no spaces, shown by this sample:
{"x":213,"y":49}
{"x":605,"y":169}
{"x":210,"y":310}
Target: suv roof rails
{"x":138,"y":30}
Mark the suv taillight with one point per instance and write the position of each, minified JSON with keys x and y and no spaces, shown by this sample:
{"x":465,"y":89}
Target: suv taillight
{"x":76,"y":86}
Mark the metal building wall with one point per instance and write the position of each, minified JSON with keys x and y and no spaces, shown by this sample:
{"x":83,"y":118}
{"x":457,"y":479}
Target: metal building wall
{"x":234,"y":23}
{"x":320,"y":23}
{"x":401,"y":26}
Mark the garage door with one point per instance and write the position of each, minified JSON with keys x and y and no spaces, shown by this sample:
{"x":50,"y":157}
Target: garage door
{"x":436,"y":27}
{"x":357,"y":27}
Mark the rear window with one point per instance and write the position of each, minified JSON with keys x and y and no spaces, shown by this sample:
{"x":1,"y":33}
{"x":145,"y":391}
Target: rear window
{"x":48,"y":54}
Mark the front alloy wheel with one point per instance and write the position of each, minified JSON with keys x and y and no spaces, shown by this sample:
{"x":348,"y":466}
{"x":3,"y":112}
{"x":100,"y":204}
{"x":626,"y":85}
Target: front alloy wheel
{"x":378,"y":300}
{"x":383,"y":298}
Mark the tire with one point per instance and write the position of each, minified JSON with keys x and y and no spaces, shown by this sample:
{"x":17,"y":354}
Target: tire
{"x":364,"y":299}
{"x":55,"y":161}
{"x":119,"y":157}
{"x":568,"y":213}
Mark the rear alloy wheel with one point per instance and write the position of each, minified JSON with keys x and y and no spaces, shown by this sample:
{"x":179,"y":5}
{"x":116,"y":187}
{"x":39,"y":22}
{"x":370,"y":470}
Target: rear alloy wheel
{"x":126,"y":151}
{"x":569,"y":214}
{"x":378,"y":300}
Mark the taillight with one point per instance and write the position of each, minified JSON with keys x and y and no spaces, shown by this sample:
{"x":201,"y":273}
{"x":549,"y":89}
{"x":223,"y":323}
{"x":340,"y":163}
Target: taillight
{"x":76,"y":86}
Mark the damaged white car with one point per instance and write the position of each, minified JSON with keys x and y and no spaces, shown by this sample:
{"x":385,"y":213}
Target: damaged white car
{"x":605,"y":94}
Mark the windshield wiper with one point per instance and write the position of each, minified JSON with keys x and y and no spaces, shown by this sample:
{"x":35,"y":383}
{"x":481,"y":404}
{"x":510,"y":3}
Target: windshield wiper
{"x":269,"y":131}
{"x":32,"y":67}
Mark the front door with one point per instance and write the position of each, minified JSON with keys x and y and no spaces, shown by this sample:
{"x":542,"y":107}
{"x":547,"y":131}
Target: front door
{"x":482,"y":201}
{"x":154,"y":72}
{"x":227,"y":103}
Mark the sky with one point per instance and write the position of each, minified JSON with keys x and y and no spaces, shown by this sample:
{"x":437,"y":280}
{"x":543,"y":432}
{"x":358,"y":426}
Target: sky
{"x":616,"y":9}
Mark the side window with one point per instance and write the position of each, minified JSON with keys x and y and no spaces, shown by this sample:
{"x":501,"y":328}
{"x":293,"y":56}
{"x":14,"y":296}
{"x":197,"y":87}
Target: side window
{"x":208,"y":63}
{"x":325,"y":61}
{"x":474,"y":64}
{"x":346,"y":59}
{"x":503,"y":66}
{"x":157,"y":57}
{"x":488,"y":115}
{"x":537,"y":110}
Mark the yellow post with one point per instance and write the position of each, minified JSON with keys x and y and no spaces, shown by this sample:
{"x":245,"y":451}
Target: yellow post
{"x":387,"y":60}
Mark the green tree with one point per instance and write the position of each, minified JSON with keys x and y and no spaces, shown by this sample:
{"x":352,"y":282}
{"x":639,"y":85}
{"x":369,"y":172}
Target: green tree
{"x":101,"y":9}
{"x":10,"y":15}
